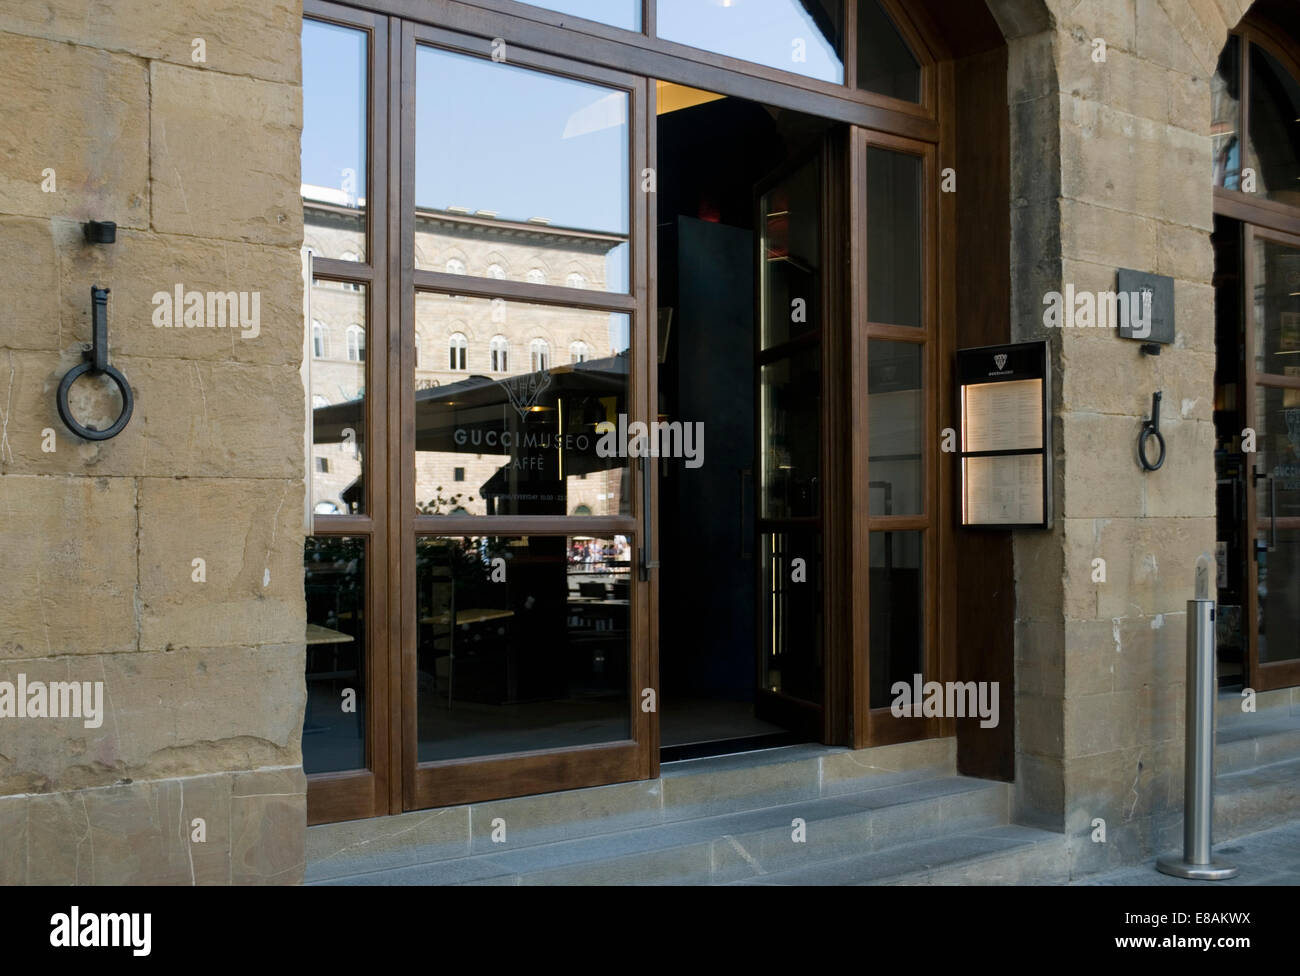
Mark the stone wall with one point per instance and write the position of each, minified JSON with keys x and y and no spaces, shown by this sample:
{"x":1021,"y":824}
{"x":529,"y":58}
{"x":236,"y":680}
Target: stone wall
{"x":1111,"y":168}
{"x":197,"y":161}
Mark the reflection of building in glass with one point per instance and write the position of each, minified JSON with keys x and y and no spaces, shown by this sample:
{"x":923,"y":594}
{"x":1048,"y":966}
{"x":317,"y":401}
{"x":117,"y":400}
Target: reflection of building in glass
{"x":475,"y":345}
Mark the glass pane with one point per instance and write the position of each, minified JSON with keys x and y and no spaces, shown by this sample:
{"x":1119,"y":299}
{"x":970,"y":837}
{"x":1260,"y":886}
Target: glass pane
{"x":504,"y":424}
{"x":886,"y":64}
{"x":791,"y":291}
{"x":1225,"y":115}
{"x":893,"y":237}
{"x":896,"y":413}
{"x":1279,"y":598}
{"x":334,"y":140}
{"x":897,"y":612}
{"x":538,"y":187}
{"x":1274,"y":127}
{"x":1277,"y":308}
{"x":790,"y":427}
{"x":792,"y":614}
{"x":1277,"y":432}
{"x":616,"y":13}
{"x":803,"y":36}
{"x":338,"y":396}
{"x":523,"y":643}
{"x":334,"y":727}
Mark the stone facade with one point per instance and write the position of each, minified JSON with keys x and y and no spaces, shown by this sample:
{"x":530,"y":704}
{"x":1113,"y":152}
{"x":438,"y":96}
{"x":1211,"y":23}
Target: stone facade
{"x":194,"y":774}
{"x":1111,"y":167}
{"x":203,"y":681}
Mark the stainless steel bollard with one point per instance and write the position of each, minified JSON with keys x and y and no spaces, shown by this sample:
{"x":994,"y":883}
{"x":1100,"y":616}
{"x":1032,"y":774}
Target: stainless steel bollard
{"x":1197,"y":861}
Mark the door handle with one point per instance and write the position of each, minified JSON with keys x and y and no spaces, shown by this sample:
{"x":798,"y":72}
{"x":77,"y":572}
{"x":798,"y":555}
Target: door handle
{"x":1272,"y":513}
{"x":648,"y":561}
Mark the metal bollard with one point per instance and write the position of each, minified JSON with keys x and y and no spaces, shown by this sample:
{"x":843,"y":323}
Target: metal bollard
{"x":1197,"y":861}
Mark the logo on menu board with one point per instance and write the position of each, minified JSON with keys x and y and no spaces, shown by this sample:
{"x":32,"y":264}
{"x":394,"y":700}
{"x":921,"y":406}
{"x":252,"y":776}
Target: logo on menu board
{"x":1000,"y":360}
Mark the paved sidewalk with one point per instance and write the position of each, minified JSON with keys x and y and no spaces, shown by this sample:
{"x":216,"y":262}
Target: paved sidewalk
{"x":1270,"y":857}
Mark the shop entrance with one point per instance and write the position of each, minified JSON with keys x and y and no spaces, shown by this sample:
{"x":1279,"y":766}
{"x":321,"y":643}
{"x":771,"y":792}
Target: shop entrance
{"x":740,"y":306}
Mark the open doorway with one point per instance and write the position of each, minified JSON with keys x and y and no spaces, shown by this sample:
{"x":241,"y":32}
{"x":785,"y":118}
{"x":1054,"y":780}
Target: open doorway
{"x":740,"y":296}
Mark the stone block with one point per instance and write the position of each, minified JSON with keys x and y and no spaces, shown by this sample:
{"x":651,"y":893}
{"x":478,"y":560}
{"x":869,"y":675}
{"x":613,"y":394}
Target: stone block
{"x":253,"y":593}
{"x":1102,"y":473}
{"x":1107,"y":237}
{"x":241,"y":37}
{"x":225,"y":156}
{"x":1184,"y":486}
{"x":65,"y":539}
{"x":139,"y":266}
{"x":98,"y":148}
{"x":29,"y":258}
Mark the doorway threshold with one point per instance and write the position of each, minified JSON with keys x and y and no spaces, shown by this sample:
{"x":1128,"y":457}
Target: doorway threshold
{"x":729,"y":747}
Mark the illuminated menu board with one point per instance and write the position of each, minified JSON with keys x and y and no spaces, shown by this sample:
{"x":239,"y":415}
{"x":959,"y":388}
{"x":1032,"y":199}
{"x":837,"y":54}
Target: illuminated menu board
{"x":1003,"y":394}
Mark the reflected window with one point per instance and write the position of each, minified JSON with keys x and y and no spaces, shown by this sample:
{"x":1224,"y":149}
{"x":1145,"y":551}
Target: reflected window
{"x":320,"y":340}
{"x":419,"y":341}
{"x":540,"y":351}
{"x":523,"y":432}
{"x":575,"y":280}
{"x":455,"y":266}
{"x":318,"y":401}
{"x":498,"y":313}
{"x":496,"y":271}
{"x":1225,"y":116}
{"x":536,"y":276}
{"x":500,"y":349}
{"x":579,"y":352}
{"x":457,"y":346}
{"x":356,"y":344}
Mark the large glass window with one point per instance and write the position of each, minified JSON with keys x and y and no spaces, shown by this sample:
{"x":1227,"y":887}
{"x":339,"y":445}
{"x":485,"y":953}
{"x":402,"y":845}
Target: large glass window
{"x":523,"y":643}
{"x":334,"y":140}
{"x":802,"y":36}
{"x":547,"y":181}
{"x":1274,"y":127}
{"x":1225,"y":116}
{"x":338,"y":389}
{"x":894,"y":274}
{"x":334,"y":726}
{"x":526,"y":437}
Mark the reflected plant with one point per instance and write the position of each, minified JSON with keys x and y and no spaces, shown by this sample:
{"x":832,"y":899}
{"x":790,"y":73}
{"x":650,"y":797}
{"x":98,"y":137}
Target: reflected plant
{"x":439,"y":504}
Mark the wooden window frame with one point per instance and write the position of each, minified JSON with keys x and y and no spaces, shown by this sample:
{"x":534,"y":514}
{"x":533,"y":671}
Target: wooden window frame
{"x":558,"y":44}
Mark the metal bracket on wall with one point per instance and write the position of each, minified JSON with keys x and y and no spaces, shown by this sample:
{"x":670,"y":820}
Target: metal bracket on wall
{"x":96,"y":356}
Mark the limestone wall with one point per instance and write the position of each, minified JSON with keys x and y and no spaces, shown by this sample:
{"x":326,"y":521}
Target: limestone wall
{"x":197,"y":160}
{"x":1111,"y":168}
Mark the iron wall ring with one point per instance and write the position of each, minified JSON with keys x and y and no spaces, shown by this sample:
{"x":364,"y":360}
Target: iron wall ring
{"x":1147,"y":433}
{"x":65,"y":412}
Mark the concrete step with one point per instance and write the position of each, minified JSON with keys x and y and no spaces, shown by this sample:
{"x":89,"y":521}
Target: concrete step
{"x":1256,"y":799}
{"x":1004,"y":854}
{"x":1260,"y":739}
{"x":686,"y":790}
{"x":731,"y":846}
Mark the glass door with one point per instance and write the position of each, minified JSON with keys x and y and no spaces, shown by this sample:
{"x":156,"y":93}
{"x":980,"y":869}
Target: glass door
{"x":1273,"y":412}
{"x":523,"y":567}
{"x":788,"y":383}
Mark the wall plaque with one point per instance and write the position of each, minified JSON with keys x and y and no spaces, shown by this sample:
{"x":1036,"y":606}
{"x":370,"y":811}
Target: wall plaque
{"x":1003,"y":394}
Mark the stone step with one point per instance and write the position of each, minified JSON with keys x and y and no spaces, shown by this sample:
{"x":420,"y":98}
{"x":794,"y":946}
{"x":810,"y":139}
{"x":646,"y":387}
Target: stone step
{"x":1281,"y":701}
{"x":1003,"y":854}
{"x":1256,"y":799}
{"x":1260,"y":740}
{"x":730,"y":846}
{"x":685,"y":790}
